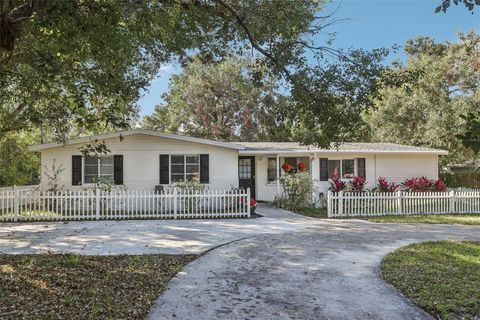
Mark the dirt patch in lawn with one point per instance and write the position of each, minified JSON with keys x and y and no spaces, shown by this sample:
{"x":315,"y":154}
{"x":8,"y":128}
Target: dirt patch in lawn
{"x":56,"y":286}
{"x":441,"y":277}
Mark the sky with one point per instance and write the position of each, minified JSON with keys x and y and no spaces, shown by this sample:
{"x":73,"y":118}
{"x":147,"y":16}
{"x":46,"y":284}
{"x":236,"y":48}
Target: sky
{"x":370,"y":24}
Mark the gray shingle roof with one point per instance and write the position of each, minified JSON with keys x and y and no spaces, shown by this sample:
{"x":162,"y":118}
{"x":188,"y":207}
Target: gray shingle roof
{"x":344,"y":147}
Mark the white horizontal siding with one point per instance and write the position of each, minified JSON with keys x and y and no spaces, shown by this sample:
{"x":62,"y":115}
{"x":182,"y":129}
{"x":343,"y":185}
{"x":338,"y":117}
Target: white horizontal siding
{"x":141,"y":160}
{"x":397,"y":168}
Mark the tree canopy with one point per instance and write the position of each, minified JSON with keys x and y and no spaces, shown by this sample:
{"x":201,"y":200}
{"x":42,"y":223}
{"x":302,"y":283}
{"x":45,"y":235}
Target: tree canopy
{"x":83,"y":63}
{"x":223,"y":101}
{"x":440,"y":87}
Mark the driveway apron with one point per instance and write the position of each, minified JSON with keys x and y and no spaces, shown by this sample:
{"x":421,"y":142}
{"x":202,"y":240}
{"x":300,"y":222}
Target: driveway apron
{"x":328,"y":271}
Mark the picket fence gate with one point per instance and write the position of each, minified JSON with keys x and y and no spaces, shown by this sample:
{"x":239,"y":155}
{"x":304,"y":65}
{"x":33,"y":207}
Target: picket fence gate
{"x":35,"y":205}
{"x":364,"y":204}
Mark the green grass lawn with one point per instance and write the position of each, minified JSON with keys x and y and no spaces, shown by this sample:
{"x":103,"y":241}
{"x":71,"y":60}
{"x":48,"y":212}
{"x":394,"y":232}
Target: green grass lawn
{"x":54,"y":286}
{"x":441,"y":277}
{"x":430,"y":218}
{"x":313,"y":212}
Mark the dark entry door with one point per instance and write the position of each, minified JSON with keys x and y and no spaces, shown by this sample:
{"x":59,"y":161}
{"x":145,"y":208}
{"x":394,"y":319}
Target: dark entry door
{"x":246,"y":174}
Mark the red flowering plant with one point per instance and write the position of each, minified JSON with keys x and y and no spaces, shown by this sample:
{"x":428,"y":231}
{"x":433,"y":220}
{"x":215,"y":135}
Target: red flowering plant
{"x":336,"y":184}
{"x":423,"y":184}
{"x":287,"y":167}
{"x":384,"y":186}
{"x":302,"y":166}
{"x":410,"y":184}
{"x":358,"y":184}
{"x":253,"y":203}
{"x":440,"y":185}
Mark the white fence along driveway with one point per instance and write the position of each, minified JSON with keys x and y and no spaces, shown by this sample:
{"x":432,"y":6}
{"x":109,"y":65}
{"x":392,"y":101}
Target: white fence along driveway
{"x":364,"y":204}
{"x":34,"y":205}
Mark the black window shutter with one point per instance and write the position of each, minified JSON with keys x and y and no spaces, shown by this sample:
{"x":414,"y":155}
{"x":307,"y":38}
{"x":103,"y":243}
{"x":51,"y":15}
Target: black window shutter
{"x":76,"y":170}
{"x":204,"y":169}
{"x":118,"y":169}
{"x":164,"y":169}
{"x":361,"y":167}
{"x":323,"y":169}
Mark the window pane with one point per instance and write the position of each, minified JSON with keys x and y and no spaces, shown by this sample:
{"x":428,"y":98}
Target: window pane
{"x":106,"y":170}
{"x":91,"y":170}
{"x":178,"y":169}
{"x":91,"y":161}
{"x":292,"y":161}
{"x":177,"y":159}
{"x":106,"y":160}
{"x":244,"y":168}
{"x":192,"y":168}
{"x":176,"y":178}
{"x":271,"y":169}
{"x":348,"y":168}
{"x":333,"y":168}
{"x":192,"y":159}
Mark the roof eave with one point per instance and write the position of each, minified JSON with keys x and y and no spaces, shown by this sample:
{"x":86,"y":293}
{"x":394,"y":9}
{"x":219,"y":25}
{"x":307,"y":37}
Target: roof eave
{"x":228,"y":145}
{"x":262,"y":152}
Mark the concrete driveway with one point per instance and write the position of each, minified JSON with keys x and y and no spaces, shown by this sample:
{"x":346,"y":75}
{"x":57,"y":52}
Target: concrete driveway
{"x":328,"y":271}
{"x":141,"y":236}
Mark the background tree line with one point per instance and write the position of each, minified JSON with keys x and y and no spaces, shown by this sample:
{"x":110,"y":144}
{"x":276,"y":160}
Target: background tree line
{"x":422,"y":102}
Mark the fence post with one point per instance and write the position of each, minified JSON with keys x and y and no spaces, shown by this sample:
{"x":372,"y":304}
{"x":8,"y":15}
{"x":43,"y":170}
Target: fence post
{"x":329,"y":204}
{"x":399,"y":202}
{"x":16,"y":199}
{"x":340,"y":203}
{"x":97,"y":203}
{"x":248,"y":202}
{"x":175,"y":196}
{"x":452,"y":201}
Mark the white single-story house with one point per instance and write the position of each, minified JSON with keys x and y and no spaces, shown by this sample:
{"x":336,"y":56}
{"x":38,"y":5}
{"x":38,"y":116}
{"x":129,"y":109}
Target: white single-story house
{"x":143,"y":159}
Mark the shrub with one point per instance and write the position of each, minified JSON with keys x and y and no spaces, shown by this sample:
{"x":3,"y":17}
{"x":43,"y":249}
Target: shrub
{"x":423,"y":184}
{"x":193,"y":185}
{"x":357,"y":184}
{"x":297,"y":191}
{"x":384,"y":186}
{"x":336,"y":184}
{"x":440,"y":185}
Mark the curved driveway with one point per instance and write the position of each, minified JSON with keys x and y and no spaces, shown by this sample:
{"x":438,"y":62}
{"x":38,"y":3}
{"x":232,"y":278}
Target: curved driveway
{"x":328,"y":271}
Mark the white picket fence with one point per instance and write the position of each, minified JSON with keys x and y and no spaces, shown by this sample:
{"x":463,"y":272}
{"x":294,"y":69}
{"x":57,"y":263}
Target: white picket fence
{"x":35,"y":205}
{"x":365,"y":204}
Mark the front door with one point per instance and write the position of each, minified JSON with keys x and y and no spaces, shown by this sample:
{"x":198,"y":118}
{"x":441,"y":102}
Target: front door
{"x":246,"y":174}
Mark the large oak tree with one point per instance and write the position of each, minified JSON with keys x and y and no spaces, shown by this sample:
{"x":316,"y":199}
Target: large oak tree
{"x":83,"y":63}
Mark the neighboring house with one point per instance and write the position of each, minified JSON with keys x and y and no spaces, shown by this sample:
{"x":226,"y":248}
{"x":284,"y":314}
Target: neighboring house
{"x":145,"y":158}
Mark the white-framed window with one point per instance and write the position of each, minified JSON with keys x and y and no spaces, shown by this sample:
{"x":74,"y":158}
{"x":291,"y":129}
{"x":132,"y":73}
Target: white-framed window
{"x":272,"y":166}
{"x":97,"y":169}
{"x":271,"y":169}
{"x":184,"y":167}
{"x":344,"y":168}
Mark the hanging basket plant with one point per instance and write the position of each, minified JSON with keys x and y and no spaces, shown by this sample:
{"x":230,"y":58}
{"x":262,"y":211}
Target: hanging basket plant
{"x":287,"y":167}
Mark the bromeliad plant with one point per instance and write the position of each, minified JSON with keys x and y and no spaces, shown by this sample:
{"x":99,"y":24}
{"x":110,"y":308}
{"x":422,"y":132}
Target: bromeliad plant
{"x":384,"y":186}
{"x":423,"y":184}
{"x":336,"y":184}
{"x":357,"y":184}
